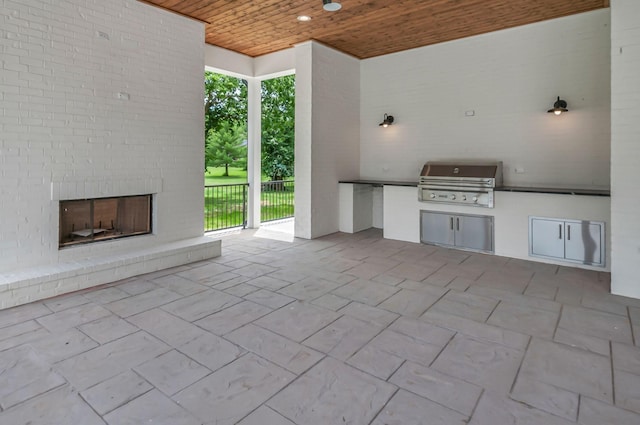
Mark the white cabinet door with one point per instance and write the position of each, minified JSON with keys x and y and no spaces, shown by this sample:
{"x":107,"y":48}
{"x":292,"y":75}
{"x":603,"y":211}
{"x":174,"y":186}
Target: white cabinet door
{"x":547,"y":237}
{"x":583,"y":242}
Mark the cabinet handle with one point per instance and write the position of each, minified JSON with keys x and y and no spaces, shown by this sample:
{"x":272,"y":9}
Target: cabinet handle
{"x":458,"y":224}
{"x":451,"y":221}
{"x":559,"y":231}
{"x":568,"y":232}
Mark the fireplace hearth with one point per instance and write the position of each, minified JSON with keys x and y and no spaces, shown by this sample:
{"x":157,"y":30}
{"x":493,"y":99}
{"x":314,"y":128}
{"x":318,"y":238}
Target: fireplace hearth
{"x":92,"y":220}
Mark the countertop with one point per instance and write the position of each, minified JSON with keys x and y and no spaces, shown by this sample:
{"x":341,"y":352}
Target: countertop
{"x":527,"y":189}
{"x":559,"y":191}
{"x":381,"y":182}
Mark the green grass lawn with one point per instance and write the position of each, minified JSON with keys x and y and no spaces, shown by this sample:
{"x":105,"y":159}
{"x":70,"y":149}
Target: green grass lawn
{"x":223,"y":205}
{"x":214,"y":175}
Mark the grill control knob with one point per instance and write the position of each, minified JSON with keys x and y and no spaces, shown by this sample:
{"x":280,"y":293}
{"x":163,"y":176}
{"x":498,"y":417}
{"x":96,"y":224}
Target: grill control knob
{"x":464,"y":197}
{"x":452,"y":197}
{"x":475,"y":199}
{"x":432,"y":195}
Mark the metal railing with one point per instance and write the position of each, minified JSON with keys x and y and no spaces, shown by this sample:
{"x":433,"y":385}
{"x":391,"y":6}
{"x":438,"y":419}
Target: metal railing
{"x":225,"y":205}
{"x":276,"y":200}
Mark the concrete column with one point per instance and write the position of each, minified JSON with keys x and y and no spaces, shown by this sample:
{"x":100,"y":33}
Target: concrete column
{"x":254,"y":169}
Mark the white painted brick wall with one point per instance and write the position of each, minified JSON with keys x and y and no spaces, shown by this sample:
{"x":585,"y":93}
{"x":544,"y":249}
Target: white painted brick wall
{"x":625,"y":147}
{"x":63,"y":126}
{"x":303,"y":137}
{"x":509,"y":78}
{"x":327,"y":134}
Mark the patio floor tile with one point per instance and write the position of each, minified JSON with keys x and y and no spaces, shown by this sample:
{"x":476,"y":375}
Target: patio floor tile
{"x":406,"y":408}
{"x":596,"y":323}
{"x":342,"y":338}
{"x":519,"y":318}
{"x":546,"y":397}
{"x":25,"y":375}
{"x":152,"y":407}
{"x":569,"y":368}
{"x":332,"y":393}
{"x":229,"y":394}
{"x":297,"y":321}
{"x":62,"y":406}
{"x":270,"y":299}
{"x":275,"y":348}
{"x":464,"y":304}
{"x":490,"y":365}
{"x":115,"y":392}
{"x":106,"y":361}
{"x":171,"y":372}
{"x":455,"y":338}
{"x":413,"y":303}
{"x":445,"y":389}
{"x":233,"y":317}
{"x":493,"y":409}
{"x":265,"y":416}
{"x":200,"y":305}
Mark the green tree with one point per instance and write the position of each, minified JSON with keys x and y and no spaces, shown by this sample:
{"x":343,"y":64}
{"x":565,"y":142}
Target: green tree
{"x":278,"y":127}
{"x":225,"y":103}
{"x":226,"y":147}
{"x":225,"y":100}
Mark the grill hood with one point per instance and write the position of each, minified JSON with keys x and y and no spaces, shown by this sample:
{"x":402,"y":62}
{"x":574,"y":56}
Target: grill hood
{"x":463,"y":171}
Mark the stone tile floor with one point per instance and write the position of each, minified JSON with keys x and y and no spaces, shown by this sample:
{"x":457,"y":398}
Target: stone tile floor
{"x":345,"y":329}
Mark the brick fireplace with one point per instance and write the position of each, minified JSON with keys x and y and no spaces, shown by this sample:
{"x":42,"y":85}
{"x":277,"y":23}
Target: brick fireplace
{"x":94,"y":220}
{"x":104,"y":102}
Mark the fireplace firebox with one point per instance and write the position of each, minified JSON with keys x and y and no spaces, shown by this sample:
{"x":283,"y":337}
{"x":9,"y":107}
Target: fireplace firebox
{"x":91,"y":220}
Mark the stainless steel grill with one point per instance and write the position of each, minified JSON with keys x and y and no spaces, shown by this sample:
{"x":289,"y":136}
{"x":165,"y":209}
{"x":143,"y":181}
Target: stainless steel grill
{"x":460,"y":183}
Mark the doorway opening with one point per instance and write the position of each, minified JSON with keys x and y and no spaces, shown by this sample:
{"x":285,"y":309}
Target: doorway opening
{"x":227,"y":194}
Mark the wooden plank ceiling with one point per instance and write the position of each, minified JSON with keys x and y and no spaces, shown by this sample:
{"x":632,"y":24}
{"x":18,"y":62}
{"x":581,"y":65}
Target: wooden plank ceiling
{"x":362,"y":28}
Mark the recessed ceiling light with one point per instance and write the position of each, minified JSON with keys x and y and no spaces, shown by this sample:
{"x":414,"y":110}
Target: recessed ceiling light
{"x":304,"y":18}
{"x":331,"y":6}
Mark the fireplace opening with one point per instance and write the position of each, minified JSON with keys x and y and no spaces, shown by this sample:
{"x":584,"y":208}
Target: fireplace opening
{"x":91,"y":220}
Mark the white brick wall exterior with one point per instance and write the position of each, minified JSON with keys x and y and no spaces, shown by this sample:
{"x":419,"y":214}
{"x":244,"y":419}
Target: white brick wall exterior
{"x":508,"y":79}
{"x":625,"y":147}
{"x":97,"y":98}
{"x":327,"y":134}
{"x":65,"y":124}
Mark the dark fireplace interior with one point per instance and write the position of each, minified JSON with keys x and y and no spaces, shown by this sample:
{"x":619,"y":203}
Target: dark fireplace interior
{"x":91,"y":220}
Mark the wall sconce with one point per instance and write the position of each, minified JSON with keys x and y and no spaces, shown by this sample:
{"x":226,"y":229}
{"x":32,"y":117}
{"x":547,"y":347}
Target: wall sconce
{"x":387,"y":121}
{"x":559,"y":107}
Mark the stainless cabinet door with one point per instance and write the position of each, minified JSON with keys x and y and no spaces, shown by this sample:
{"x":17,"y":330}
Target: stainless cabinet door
{"x":547,"y":237}
{"x":436,"y":228}
{"x":582,"y":242}
{"x":474,"y":232}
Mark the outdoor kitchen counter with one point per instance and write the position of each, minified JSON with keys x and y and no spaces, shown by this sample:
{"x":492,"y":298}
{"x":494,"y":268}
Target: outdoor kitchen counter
{"x":524,"y":189}
{"x":394,"y":207}
{"x":554,"y":190}
{"x":381,"y":182}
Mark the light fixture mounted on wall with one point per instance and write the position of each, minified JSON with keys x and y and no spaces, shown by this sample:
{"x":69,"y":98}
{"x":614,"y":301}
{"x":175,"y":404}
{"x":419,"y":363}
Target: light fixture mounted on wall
{"x":387,"y":121}
{"x":331,"y":6}
{"x":559,"y":107}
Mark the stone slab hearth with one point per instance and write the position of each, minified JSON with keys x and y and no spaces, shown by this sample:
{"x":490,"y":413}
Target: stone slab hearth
{"x":41,"y":282}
